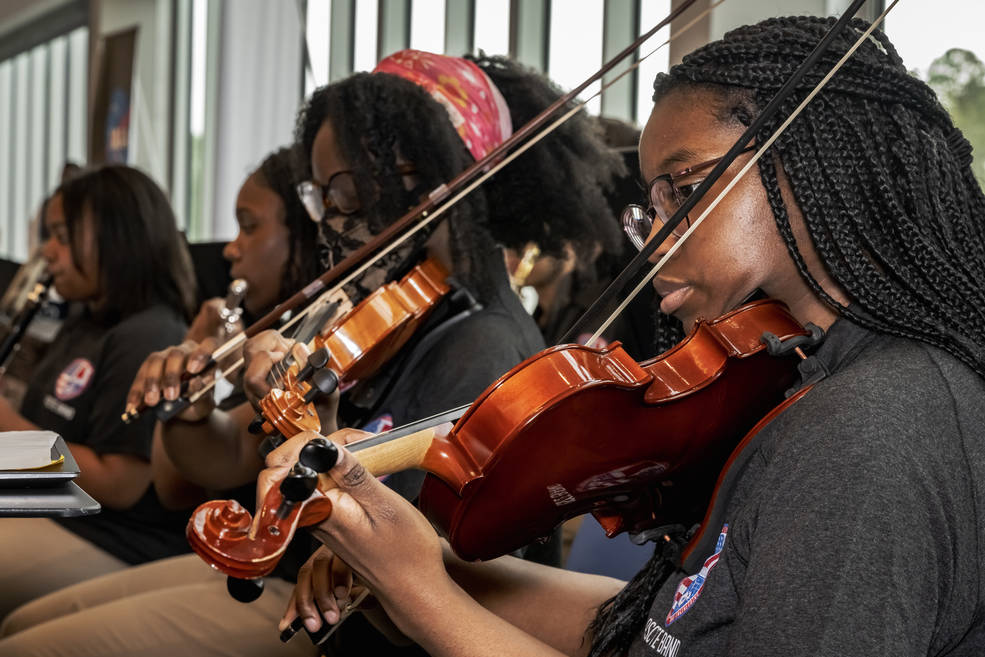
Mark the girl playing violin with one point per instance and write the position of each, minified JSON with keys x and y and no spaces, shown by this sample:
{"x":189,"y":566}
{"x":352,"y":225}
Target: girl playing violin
{"x":103,"y":227}
{"x":853,"y":522}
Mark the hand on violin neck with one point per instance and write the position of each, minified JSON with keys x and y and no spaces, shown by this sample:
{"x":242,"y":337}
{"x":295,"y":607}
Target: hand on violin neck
{"x":260,"y":354}
{"x":381,"y":536}
{"x":161,"y":374}
{"x":326,"y":592}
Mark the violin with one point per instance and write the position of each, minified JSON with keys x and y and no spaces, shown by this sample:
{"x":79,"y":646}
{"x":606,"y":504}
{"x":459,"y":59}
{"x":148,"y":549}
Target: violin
{"x":354,"y":347}
{"x":503,"y":452}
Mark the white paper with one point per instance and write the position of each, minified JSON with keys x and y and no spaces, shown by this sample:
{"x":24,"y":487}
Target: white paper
{"x":26,"y":449}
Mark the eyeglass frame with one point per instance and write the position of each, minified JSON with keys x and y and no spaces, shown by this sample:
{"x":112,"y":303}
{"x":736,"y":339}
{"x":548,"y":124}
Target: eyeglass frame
{"x":325,"y":191}
{"x":651,"y":212}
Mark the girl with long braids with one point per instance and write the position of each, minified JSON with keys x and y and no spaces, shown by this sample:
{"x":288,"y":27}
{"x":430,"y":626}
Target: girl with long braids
{"x":852,"y":523}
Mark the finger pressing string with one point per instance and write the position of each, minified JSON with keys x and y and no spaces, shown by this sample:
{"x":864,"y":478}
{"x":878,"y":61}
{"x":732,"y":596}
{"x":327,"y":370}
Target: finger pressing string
{"x":320,"y":636}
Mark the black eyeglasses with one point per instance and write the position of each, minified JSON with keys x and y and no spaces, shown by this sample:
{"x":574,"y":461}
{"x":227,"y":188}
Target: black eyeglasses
{"x":339,"y":196}
{"x":666,"y":197}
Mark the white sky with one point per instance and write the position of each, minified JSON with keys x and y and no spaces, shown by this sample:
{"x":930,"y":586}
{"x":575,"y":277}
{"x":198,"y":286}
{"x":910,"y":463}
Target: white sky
{"x":923,"y":30}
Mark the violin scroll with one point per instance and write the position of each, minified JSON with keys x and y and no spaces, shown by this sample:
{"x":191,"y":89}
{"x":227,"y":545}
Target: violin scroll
{"x":232,"y":541}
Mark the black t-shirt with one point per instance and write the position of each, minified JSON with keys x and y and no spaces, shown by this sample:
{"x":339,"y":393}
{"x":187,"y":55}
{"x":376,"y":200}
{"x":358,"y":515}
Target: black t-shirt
{"x":79,"y":391}
{"x":449,"y":362}
{"x":854,"y":522}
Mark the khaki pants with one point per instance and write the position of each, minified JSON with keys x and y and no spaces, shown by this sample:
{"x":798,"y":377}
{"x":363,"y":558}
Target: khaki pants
{"x":177,"y":606}
{"x":38,"y":556}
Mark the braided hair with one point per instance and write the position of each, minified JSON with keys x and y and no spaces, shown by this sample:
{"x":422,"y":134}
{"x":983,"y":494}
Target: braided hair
{"x":280,"y":172}
{"x":562,"y":180}
{"x":378,"y":116}
{"x":884,"y":182}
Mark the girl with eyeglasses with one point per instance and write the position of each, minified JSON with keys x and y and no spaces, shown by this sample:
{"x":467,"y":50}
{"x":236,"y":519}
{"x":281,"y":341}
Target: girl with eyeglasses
{"x":852,"y":523}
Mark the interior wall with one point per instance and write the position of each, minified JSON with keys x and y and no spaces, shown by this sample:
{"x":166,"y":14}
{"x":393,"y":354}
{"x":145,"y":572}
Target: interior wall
{"x":151,"y":90}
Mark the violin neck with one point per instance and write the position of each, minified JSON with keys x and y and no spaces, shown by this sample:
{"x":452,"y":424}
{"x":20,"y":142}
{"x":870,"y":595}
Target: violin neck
{"x":401,"y":453}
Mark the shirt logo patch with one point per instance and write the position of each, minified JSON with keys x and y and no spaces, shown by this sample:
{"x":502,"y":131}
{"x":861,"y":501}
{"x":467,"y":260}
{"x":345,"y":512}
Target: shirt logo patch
{"x":690,"y":587}
{"x":380,"y":424}
{"x":74,"y":379}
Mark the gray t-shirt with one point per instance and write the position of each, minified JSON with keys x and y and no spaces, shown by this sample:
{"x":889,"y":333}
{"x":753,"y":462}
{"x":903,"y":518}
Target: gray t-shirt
{"x":856,"y":523}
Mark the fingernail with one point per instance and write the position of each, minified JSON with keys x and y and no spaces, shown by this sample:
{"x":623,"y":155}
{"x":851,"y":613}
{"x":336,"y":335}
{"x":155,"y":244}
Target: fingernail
{"x":152,"y":397}
{"x":311,"y":623}
{"x":342,"y":594}
{"x":171,"y":393}
{"x":331,"y":616}
{"x":195,"y":364}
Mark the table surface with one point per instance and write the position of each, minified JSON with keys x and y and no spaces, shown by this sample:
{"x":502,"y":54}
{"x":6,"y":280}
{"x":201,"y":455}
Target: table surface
{"x":61,"y":501}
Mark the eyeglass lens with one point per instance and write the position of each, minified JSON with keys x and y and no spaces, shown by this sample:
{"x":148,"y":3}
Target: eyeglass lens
{"x":339,"y":196}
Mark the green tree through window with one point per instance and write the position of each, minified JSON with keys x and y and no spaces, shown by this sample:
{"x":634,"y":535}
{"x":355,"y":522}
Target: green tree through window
{"x":958,"y":77}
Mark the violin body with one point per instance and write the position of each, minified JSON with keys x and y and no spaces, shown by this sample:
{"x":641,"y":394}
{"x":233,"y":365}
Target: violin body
{"x":359,"y":343}
{"x":571,"y":430}
{"x":575,"y":430}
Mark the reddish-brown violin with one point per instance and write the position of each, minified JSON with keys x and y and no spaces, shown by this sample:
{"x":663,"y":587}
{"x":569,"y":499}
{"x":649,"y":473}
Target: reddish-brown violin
{"x":571,"y":430}
{"x":358,"y":344}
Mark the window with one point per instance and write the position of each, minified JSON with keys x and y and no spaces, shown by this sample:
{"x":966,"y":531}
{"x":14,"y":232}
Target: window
{"x":42,"y":125}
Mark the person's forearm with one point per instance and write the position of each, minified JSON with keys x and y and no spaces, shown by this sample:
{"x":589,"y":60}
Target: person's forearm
{"x":117,"y":481}
{"x":447,"y":622}
{"x":174,"y":490}
{"x":14,"y":421}
{"x":551,"y":604}
{"x":217,"y":453}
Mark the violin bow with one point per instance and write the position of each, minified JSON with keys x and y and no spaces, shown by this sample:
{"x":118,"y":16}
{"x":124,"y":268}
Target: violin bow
{"x":436,"y":203}
{"x":737,"y":148}
{"x":634,"y":265}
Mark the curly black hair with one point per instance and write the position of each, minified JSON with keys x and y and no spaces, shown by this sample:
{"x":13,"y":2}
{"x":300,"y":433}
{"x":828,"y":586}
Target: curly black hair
{"x":884,"y":182}
{"x":377,"y":116}
{"x":562,"y":181}
{"x":280,"y":172}
{"x":552,"y":194}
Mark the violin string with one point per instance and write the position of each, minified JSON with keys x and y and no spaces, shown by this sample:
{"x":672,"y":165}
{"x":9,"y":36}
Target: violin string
{"x":755,"y":158}
{"x":426,"y":219}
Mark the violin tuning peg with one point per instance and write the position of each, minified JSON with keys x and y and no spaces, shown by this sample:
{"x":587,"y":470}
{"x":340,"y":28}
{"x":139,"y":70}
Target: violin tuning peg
{"x":319,"y":454}
{"x":299,"y":484}
{"x":318,"y":358}
{"x":323,"y":382}
{"x":256,"y":426}
{"x":244,"y":590}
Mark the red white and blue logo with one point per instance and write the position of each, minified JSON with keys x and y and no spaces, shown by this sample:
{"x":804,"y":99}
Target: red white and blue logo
{"x":74,"y":379}
{"x":690,"y":587}
{"x":379,"y":424}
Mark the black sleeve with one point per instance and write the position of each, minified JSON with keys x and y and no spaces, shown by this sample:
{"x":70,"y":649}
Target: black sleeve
{"x":125,"y":349}
{"x":856,"y":536}
{"x":453,"y":372}
{"x":458,"y":369}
